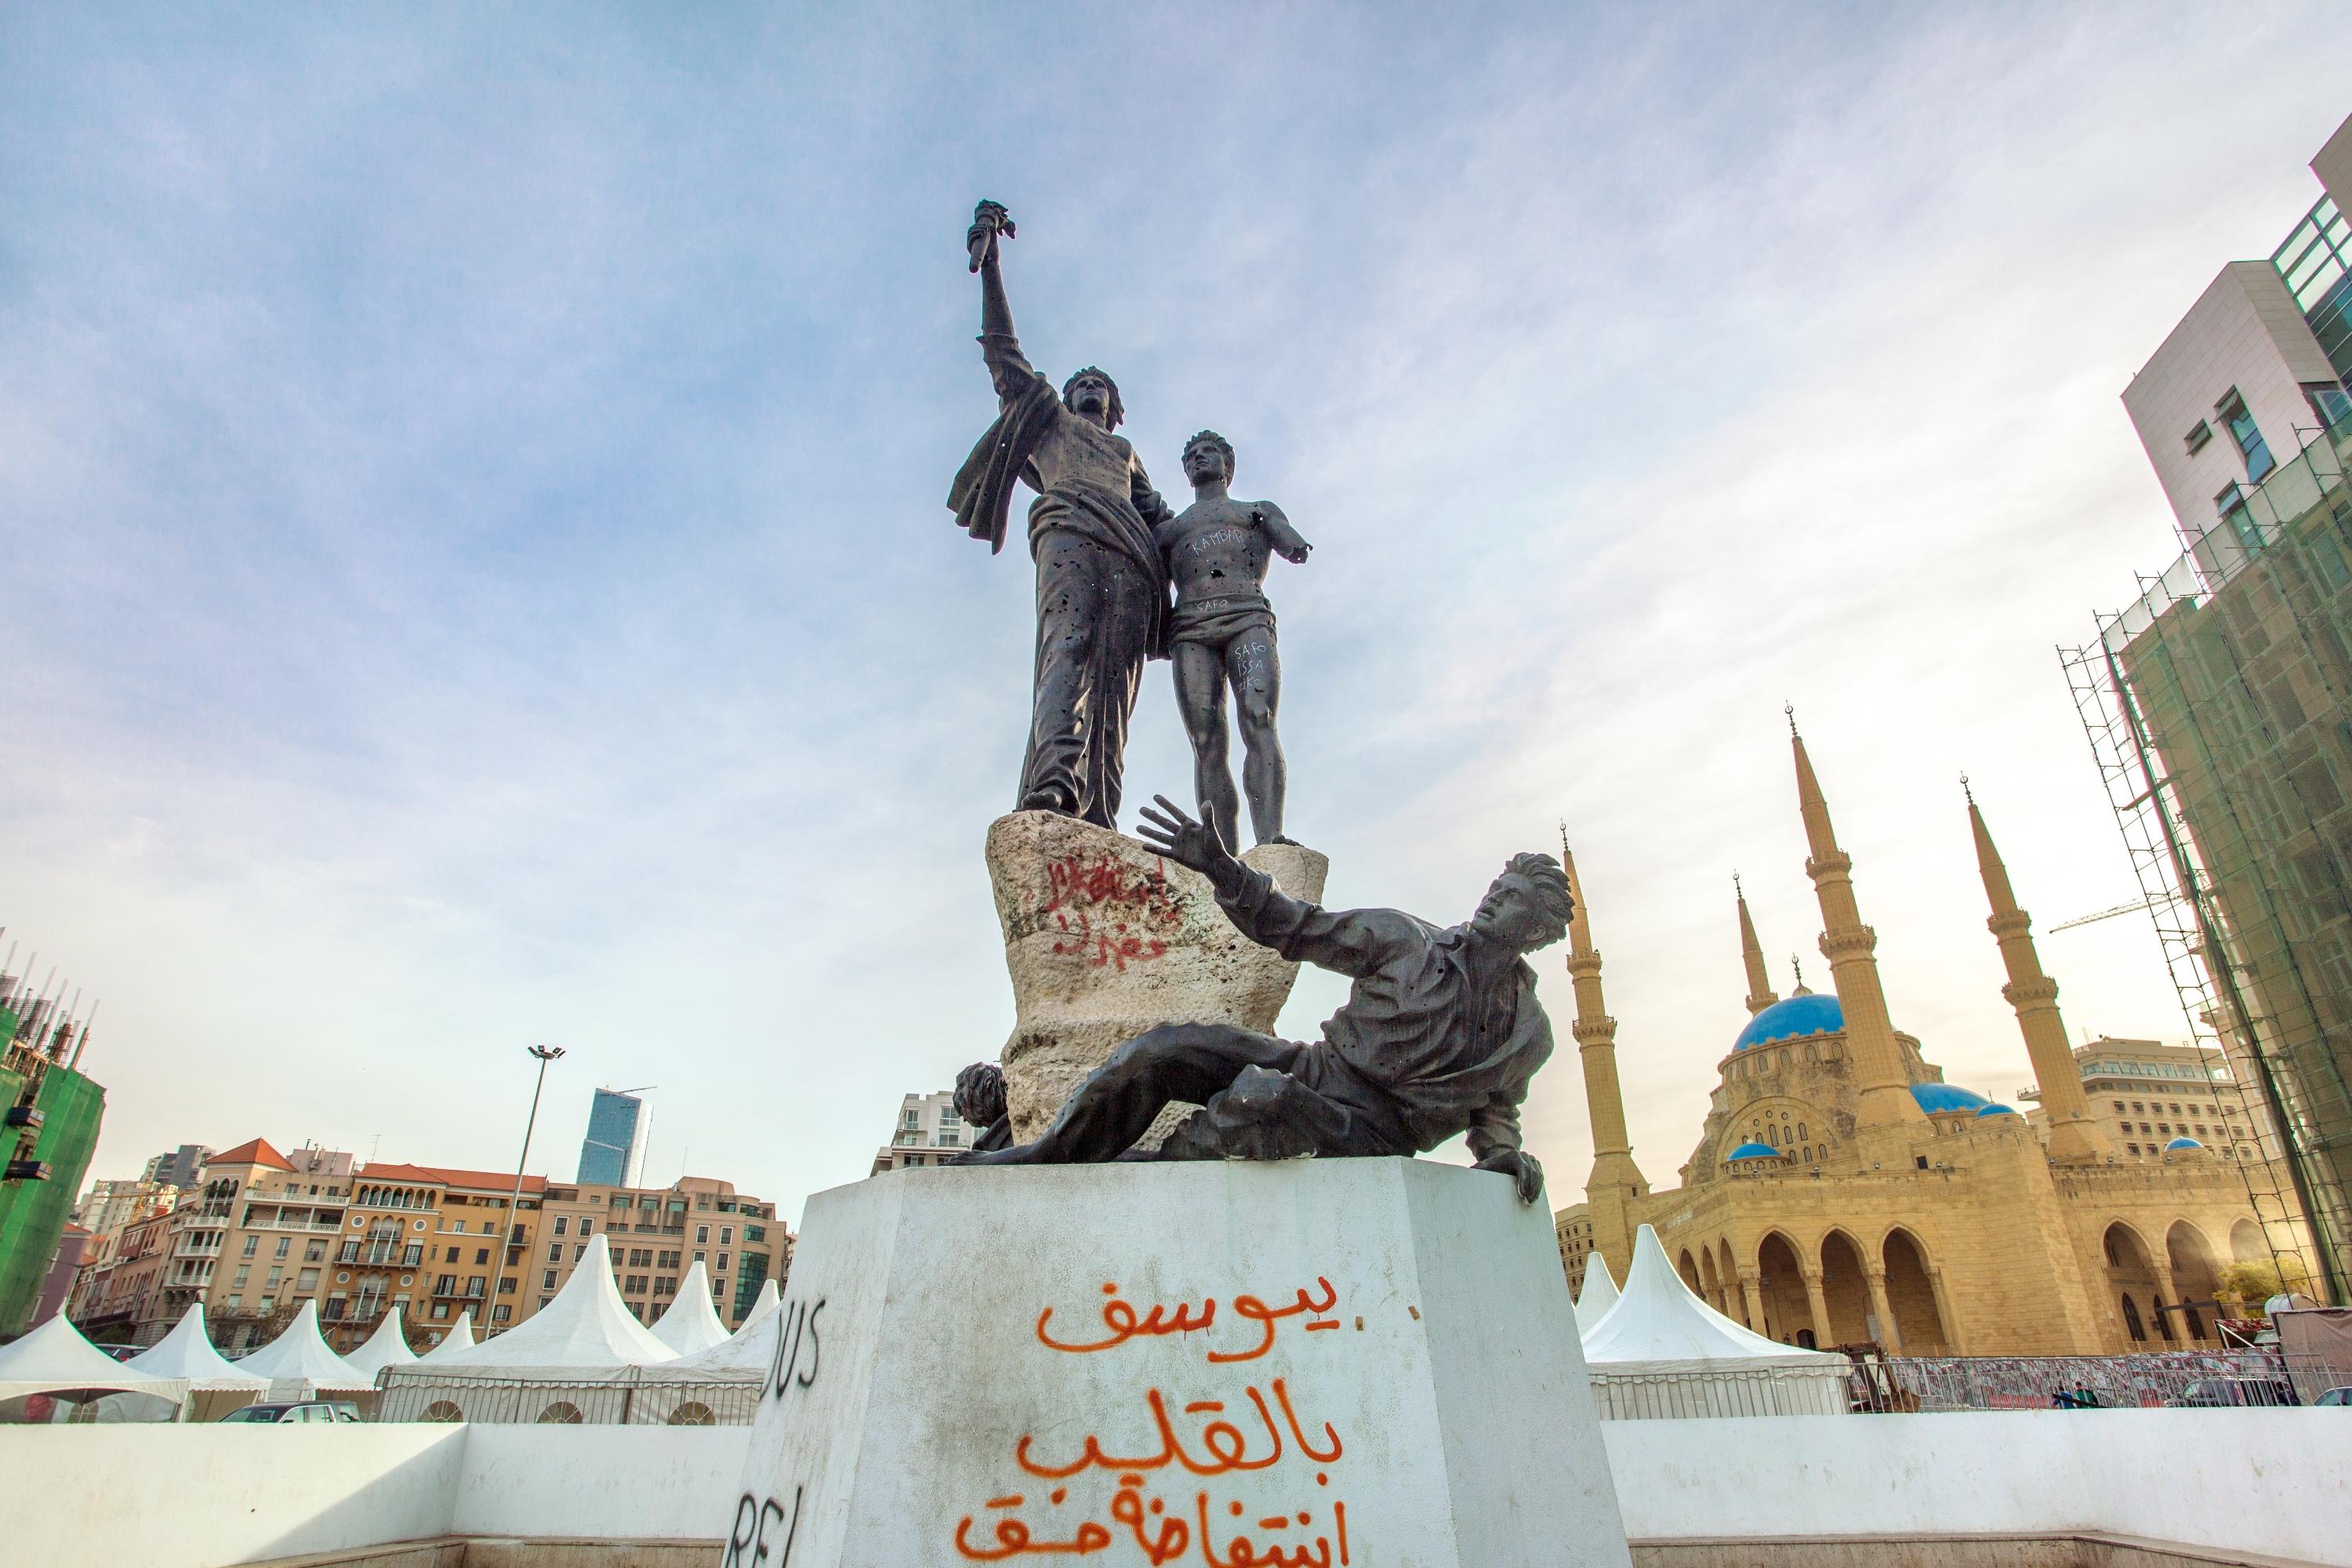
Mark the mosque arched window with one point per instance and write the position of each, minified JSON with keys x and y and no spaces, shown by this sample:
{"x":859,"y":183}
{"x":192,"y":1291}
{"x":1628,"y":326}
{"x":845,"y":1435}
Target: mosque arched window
{"x":1801,"y":1130}
{"x":2132,"y":1324}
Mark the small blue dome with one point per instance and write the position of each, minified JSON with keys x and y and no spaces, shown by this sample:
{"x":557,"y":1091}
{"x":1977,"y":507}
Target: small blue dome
{"x":1996,"y":1109}
{"x":1940,"y":1097}
{"x":1753,"y":1152}
{"x":1814,"y":1013}
{"x":2182,"y":1143}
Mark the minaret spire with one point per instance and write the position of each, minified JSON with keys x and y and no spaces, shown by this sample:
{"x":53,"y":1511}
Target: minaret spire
{"x":1884,"y":1088}
{"x":1751,"y":953}
{"x":1615,"y":1180}
{"x":2075,"y":1138}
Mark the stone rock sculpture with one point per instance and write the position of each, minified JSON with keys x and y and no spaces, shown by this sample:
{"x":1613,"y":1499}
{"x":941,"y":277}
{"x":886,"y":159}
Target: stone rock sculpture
{"x":1442,"y":1033}
{"x":1105,"y":937}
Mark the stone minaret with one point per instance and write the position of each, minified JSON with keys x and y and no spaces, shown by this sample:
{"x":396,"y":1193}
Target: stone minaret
{"x":2075,"y":1137}
{"x":1883,"y":1087}
{"x":1760,"y":984}
{"x":1615,"y":1182}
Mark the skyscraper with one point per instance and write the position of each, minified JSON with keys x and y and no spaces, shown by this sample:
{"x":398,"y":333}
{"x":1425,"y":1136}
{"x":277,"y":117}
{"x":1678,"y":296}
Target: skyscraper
{"x":613,"y":1152}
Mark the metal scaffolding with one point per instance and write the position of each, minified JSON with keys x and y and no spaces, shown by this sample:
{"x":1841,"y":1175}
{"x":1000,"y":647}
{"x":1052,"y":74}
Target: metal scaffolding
{"x":2218,"y":710}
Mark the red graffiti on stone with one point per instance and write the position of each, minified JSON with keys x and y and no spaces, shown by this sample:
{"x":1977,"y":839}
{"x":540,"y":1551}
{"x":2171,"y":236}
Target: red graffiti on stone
{"x":1113,"y":912}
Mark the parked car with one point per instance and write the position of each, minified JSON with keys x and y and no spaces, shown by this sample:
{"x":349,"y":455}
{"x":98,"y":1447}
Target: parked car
{"x":319,"y":1410}
{"x":2339,"y":1398}
{"x":2214,"y":1393}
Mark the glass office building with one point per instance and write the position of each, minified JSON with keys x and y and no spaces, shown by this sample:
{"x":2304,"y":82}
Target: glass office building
{"x":613,"y":1152}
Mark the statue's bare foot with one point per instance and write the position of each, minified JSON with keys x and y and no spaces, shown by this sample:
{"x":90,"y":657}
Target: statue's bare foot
{"x":1283,"y":838}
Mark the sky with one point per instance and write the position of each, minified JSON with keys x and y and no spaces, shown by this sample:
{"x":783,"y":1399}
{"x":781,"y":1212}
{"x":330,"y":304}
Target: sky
{"x":472,"y":484}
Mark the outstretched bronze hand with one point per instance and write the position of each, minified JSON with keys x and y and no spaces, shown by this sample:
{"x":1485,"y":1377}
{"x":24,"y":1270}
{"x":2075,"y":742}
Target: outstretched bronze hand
{"x":1190,"y":842}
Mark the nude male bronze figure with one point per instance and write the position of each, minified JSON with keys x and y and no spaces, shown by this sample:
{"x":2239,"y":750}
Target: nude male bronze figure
{"x":1216,"y":551}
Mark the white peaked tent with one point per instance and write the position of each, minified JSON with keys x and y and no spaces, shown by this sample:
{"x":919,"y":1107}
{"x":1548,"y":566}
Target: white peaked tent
{"x":56,"y":1359}
{"x":187,"y":1353}
{"x":694,"y":1390}
{"x":388,"y":1346}
{"x":460,"y":1338}
{"x":1599,"y":1295}
{"x":586,"y":1329}
{"x":691,"y":1326}
{"x":1662,"y":1351}
{"x":301,"y":1355}
{"x":767,"y":1301}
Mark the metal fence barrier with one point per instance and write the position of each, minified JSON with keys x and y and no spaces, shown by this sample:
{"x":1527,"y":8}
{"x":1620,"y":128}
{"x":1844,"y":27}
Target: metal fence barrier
{"x":2188,"y":1378}
{"x":639,"y":1396}
{"x":635,"y":1396}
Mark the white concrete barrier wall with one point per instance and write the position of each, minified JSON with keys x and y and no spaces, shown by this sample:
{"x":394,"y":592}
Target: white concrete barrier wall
{"x":647,"y":1483}
{"x":193,"y":1497}
{"x":2270,"y":1483}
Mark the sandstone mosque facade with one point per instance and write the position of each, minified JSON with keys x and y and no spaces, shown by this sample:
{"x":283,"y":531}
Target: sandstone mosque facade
{"x":1842,"y":1192}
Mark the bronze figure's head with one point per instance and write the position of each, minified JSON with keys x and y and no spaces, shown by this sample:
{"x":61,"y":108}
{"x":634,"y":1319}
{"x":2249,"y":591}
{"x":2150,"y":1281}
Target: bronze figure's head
{"x":1091,"y":395}
{"x":1207,"y":456}
{"x":1528,"y":905}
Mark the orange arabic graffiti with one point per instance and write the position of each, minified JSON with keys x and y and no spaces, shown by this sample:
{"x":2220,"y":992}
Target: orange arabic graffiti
{"x":1121,"y":1320}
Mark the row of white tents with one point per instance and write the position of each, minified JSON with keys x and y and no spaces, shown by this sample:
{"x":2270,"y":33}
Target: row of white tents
{"x":1658,"y":1350}
{"x":1655,"y":1349}
{"x":585,"y":1331}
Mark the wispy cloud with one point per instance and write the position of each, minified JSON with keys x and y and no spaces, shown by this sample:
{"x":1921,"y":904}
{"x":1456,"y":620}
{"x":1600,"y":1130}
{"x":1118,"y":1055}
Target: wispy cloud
{"x":478,"y":574}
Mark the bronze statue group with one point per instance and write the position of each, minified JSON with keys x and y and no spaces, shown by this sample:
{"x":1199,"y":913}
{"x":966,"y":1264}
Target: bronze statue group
{"x":1442,"y":1032}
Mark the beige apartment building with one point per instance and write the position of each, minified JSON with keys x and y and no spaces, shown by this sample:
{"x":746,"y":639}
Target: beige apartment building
{"x":264,"y":1231}
{"x":2146,"y":1094}
{"x":121,"y":1274}
{"x":928,"y":1132}
{"x":655,"y":1235}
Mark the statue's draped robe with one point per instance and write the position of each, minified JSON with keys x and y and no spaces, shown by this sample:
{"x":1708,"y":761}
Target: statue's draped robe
{"x":1102,"y":595}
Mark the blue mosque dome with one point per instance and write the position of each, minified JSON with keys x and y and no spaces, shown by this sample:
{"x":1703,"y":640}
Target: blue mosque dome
{"x":1940,"y":1097}
{"x":1807,"y":1012}
{"x":1996,"y":1109}
{"x":2182,"y":1143}
{"x":1753,"y":1152}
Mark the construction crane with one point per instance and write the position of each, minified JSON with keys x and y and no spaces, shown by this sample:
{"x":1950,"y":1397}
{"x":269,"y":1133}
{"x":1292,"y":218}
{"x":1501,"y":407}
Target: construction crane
{"x":2101,"y":915}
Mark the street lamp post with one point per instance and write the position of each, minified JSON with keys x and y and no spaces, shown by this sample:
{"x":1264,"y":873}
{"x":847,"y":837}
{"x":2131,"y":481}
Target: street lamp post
{"x":513,"y":1238}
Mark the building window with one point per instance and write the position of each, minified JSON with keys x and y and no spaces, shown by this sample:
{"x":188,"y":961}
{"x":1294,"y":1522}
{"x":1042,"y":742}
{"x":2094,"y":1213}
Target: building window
{"x":555,"y":1252}
{"x":2250,"y":444}
{"x":2327,"y":401}
{"x":701,"y":1234}
{"x":2119,"y":1105}
{"x":722,"y":1263}
{"x":561,"y":1221}
{"x":481,"y":1256}
{"x":547,"y":1281}
{"x":252,"y":1245}
{"x":502,"y":1314}
{"x":578,"y":1252}
{"x":726,"y":1238}
{"x":2199,"y":434}
{"x":2131,"y":1148}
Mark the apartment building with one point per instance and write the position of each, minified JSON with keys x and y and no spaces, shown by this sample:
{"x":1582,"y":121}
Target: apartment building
{"x":655,"y":1235}
{"x":928,"y":1132}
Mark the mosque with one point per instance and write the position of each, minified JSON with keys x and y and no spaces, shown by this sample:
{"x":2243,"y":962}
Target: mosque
{"x":1842,"y":1192}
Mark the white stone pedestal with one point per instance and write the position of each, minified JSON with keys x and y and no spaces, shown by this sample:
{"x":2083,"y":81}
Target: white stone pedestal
{"x":1311,"y":1364}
